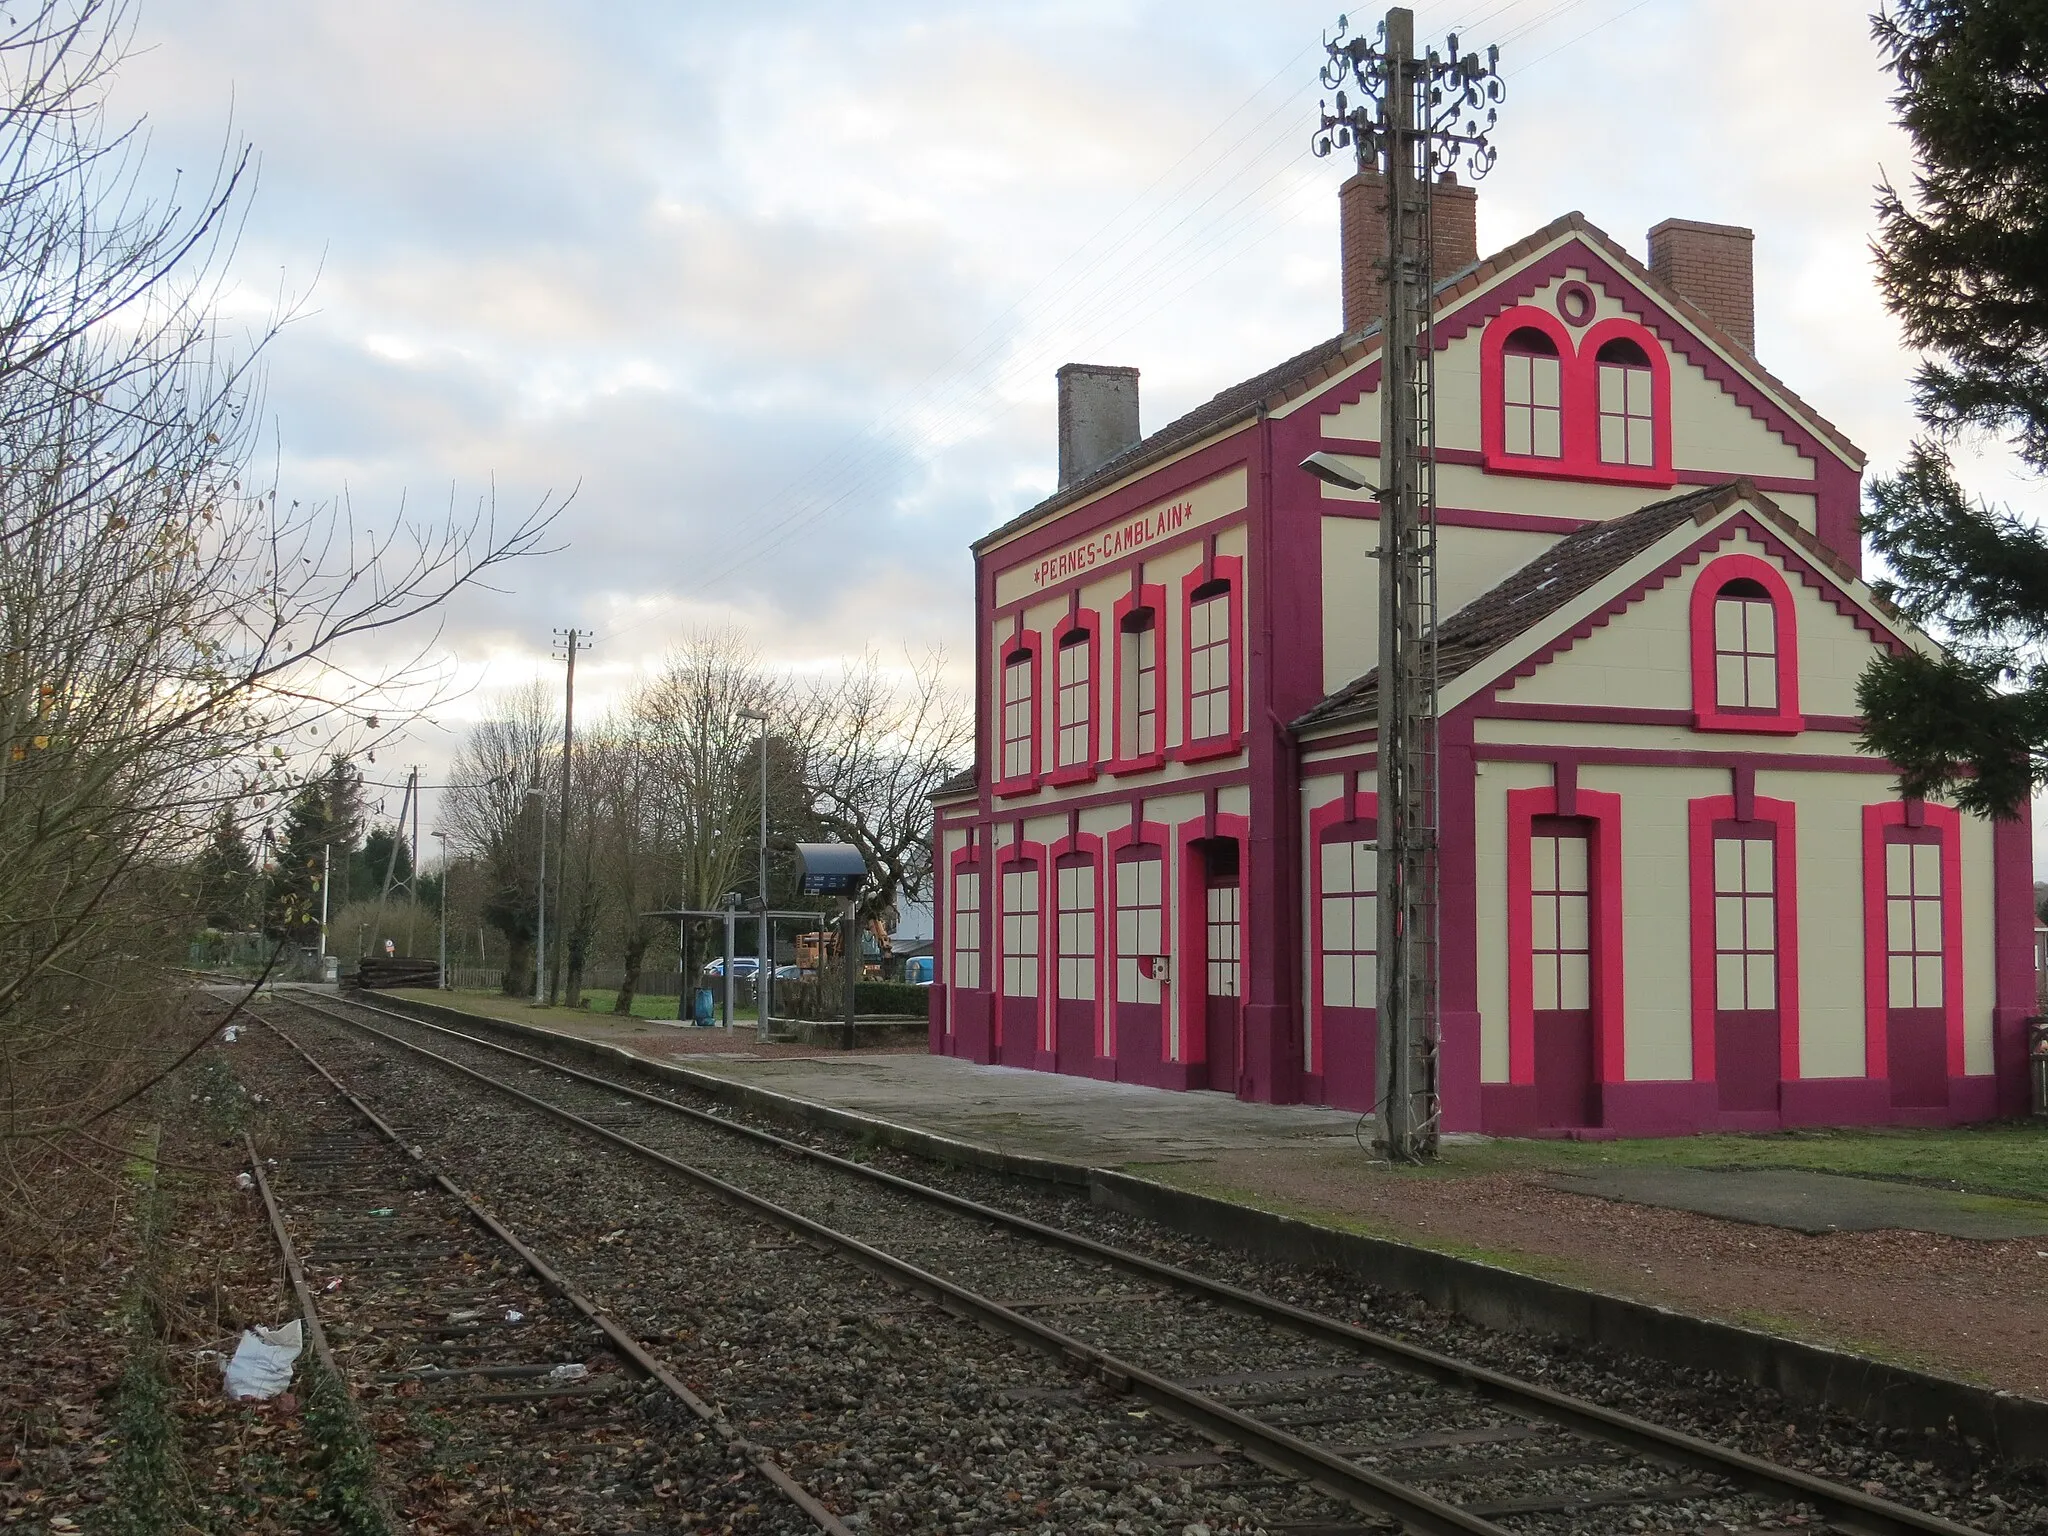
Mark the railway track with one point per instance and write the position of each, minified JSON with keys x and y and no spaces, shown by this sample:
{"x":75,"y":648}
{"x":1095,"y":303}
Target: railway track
{"x":461,"y":1337}
{"x":1434,"y":1443}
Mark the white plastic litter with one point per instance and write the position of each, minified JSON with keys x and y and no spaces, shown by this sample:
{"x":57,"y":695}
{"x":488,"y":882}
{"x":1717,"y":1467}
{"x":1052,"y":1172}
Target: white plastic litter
{"x":231,"y":1034}
{"x":514,"y":1315}
{"x":568,"y":1373}
{"x":243,"y":1181}
{"x":262,"y":1366}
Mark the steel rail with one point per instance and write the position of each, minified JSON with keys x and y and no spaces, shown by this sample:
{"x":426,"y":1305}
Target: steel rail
{"x":1850,"y":1508}
{"x":1416,"y":1510}
{"x":560,"y":1284}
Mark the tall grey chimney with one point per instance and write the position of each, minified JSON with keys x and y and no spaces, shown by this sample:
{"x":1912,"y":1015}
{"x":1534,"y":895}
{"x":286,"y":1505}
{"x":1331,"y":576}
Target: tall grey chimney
{"x":1098,"y":417}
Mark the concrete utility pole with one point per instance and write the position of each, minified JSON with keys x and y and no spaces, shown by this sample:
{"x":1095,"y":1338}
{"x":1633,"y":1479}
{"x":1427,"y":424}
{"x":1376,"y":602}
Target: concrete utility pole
{"x":443,"y":983}
{"x":764,"y":948}
{"x":569,"y":643}
{"x":1409,"y":117}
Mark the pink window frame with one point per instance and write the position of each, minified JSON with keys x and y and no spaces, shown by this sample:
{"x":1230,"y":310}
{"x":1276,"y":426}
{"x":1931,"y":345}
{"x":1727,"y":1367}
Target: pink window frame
{"x":1579,"y":398}
{"x":1364,"y":806}
{"x":1085,"y":845}
{"x":1948,"y":822}
{"x":1707,"y":712}
{"x":1017,"y":853}
{"x":1150,"y":598}
{"x":964,"y":859}
{"x":1021,"y":641}
{"x":1230,"y":569}
{"x":1085,"y":622}
{"x":1137,"y":838}
{"x":1603,"y":810}
{"x":1783,"y":815}
{"x":1190,"y":1036}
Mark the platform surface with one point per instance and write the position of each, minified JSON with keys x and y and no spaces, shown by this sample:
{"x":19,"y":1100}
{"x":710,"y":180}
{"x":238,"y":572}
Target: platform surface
{"x":1041,"y":1114}
{"x":1803,"y":1201}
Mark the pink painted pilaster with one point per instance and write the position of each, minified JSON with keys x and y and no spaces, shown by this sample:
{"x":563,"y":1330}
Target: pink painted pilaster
{"x":2012,"y":861}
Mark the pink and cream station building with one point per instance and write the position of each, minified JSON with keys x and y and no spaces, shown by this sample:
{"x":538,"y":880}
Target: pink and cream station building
{"x":1675,"y":895}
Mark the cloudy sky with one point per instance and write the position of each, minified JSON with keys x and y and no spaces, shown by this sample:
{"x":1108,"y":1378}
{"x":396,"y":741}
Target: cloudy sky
{"x":780,"y":291}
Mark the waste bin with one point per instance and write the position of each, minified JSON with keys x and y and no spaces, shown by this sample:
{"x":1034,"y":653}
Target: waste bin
{"x":704,"y":1009}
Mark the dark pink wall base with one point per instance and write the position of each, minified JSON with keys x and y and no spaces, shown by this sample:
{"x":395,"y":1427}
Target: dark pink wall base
{"x":1458,"y":1070}
{"x":1671,"y":1108}
{"x":1350,"y":1057}
{"x":935,"y":1015}
{"x":1272,"y":1046}
{"x":2008,"y":1061}
{"x":1312,"y":1089}
{"x":1102,"y":1068}
{"x":971,"y":1015}
{"x":1508,"y":1109}
{"x":1836,"y":1101}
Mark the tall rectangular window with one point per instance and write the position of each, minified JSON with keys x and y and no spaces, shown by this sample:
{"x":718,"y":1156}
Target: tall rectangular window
{"x":1076,"y":932}
{"x":1745,"y":924}
{"x":967,"y":929}
{"x":1745,"y":647}
{"x":1532,"y":407}
{"x":1076,"y":701}
{"x":1350,"y":874}
{"x":1140,"y":931}
{"x":1019,"y":714}
{"x":1223,"y":930}
{"x":1209,"y":664}
{"x":1912,"y":911}
{"x":1140,"y":704}
{"x":1627,"y":408}
{"x":1020,"y":930}
{"x":1560,"y":929}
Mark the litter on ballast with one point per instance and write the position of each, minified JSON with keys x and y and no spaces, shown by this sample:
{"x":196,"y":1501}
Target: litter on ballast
{"x":514,"y":1315}
{"x":562,"y":1373}
{"x":262,"y":1366}
{"x":231,"y":1034}
{"x":383,"y":1210}
{"x":466,"y":1315}
{"x":243,"y":1181}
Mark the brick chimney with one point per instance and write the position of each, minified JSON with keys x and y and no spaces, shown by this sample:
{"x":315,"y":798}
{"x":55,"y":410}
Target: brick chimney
{"x":1710,"y":264}
{"x":1362,"y":220}
{"x":1098,"y":417}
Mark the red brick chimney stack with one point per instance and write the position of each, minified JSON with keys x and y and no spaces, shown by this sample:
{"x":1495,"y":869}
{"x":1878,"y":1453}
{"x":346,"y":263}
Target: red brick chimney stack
{"x":1711,"y":265}
{"x":1362,"y":221}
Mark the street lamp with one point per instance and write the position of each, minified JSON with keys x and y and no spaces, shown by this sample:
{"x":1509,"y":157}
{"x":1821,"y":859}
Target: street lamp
{"x":443,"y":837}
{"x":540,"y":891}
{"x":764,"y":948}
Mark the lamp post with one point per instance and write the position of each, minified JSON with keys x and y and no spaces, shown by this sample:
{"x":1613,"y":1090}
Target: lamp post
{"x":540,"y":892}
{"x":442,"y":837}
{"x":764,"y":956}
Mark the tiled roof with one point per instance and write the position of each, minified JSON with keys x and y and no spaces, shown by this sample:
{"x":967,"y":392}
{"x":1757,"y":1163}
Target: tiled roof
{"x":1569,"y":567}
{"x":1306,"y":370}
{"x":962,"y":783}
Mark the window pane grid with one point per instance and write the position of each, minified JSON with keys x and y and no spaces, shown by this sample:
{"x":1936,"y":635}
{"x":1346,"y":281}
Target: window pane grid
{"x":1745,"y":924}
{"x":1075,"y":702}
{"x":1017,"y":717}
{"x":1223,"y":941}
{"x":967,"y":929}
{"x":1020,"y":932}
{"x":1745,"y":653}
{"x":1076,"y":932}
{"x":1625,"y":420}
{"x":1532,"y":410}
{"x":1209,"y":667}
{"x":1561,"y":944}
{"x":1350,"y":913}
{"x":1138,"y":929}
{"x":1913,"y":924}
{"x":1140,"y":703}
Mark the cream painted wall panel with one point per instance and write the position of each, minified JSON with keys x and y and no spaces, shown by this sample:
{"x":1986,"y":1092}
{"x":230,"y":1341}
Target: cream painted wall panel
{"x":1045,"y":829}
{"x":1174,"y":809}
{"x":1490,"y":869}
{"x":1656,"y":912}
{"x":1319,"y":789}
{"x":1556,"y":733}
{"x":1980,"y":945}
{"x":1351,"y":605}
{"x":1101,"y":820}
{"x":1830,"y":914}
{"x":1234,"y":800}
{"x":1711,"y":430}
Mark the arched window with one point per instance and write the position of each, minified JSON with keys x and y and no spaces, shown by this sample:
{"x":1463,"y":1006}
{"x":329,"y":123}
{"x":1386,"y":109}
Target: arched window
{"x":1074,"y":703}
{"x":1209,"y":669}
{"x":1138,"y":660}
{"x":1532,"y":396}
{"x":1628,"y":425}
{"x":1745,"y":649}
{"x":967,"y":927}
{"x":1017,"y":756}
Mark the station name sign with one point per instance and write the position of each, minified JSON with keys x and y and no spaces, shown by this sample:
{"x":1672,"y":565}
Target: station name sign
{"x":1142,"y":530}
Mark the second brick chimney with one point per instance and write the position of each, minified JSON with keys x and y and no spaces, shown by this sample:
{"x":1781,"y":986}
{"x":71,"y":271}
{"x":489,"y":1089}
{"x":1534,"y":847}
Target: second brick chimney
{"x":1711,"y":265}
{"x":1362,"y":221}
{"x":1098,"y":417}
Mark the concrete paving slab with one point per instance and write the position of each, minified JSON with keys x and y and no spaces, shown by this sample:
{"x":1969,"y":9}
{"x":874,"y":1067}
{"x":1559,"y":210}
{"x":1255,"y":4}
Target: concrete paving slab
{"x":1039,"y":1114}
{"x":1813,"y":1202}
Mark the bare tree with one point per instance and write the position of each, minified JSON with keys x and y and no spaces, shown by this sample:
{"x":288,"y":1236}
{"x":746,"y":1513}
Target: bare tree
{"x":629,"y":856}
{"x":880,"y":744}
{"x":494,"y":815}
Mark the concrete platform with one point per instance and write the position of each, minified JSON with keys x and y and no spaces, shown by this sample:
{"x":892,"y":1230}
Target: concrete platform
{"x":1813,"y":1202}
{"x":1040,"y":1114}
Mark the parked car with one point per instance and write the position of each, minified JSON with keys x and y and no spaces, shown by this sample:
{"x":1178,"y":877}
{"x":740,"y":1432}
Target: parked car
{"x":744,"y":968}
{"x":794,"y":973}
{"x":917,"y":970}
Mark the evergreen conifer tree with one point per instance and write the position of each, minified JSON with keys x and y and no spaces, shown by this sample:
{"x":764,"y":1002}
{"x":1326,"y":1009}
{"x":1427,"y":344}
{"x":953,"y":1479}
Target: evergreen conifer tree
{"x":1963,"y":263}
{"x":227,"y":875}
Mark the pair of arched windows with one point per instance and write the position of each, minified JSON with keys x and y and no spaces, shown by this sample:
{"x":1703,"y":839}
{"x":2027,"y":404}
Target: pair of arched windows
{"x":1587,"y":406}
